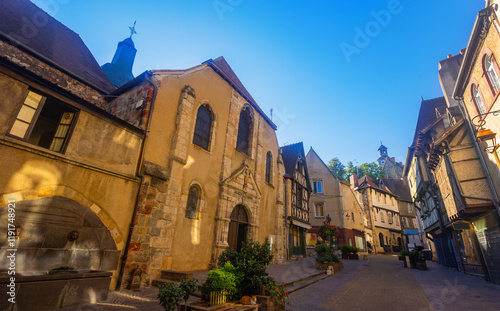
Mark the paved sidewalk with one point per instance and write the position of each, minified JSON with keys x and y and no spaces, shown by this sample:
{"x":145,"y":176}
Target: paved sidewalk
{"x":383,"y":284}
{"x":448,"y":289}
{"x":380,"y":283}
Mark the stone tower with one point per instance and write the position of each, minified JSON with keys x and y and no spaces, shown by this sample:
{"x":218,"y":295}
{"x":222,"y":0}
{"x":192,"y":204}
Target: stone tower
{"x":392,"y":168}
{"x":119,"y":71}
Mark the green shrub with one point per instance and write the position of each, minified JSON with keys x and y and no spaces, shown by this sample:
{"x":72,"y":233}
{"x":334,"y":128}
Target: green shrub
{"x":188,"y":286}
{"x":322,"y":248}
{"x":354,"y":250}
{"x":170,"y":296}
{"x":345,"y":249}
{"x":416,"y":256}
{"x":250,"y":266}
{"x":405,"y":252}
{"x":325,"y":254}
{"x":219,"y":280}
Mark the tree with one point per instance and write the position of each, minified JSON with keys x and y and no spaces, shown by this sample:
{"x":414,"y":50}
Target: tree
{"x":371,"y":169}
{"x":337,"y":168}
{"x":345,"y":172}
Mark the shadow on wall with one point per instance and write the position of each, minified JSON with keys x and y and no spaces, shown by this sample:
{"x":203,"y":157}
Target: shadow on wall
{"x":58,"y":234}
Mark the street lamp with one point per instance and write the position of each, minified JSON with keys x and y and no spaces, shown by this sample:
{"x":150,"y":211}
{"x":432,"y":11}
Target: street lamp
{"x":488,"y":139}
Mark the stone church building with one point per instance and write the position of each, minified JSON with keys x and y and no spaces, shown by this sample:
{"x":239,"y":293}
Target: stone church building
{"x":212,"y":170}
{"x":112,"y":172}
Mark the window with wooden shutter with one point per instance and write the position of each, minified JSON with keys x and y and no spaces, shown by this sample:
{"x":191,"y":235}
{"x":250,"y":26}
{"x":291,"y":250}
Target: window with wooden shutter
{"x":43,"y":121}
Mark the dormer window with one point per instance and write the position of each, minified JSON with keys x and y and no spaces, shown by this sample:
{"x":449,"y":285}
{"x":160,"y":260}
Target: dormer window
{"x":43,"y":121}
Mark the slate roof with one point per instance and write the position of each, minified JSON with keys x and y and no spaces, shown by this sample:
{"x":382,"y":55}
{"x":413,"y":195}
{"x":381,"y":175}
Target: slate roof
{"x":290,"y":155}
{"x":52,"y":40}
{"x":427,"y":114}
{"x":222,"y":67}
{"x":398,"y":187}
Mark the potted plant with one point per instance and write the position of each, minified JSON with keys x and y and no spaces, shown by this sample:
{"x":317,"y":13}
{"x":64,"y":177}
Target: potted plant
{"x":403,"y":255}
{"x":353,"y":252}
{"x":417,"y":260}
{"x":170,"y":296}
{"x":220,"y":284}
{"x":325,"y":257}
{"x":346,"y":250}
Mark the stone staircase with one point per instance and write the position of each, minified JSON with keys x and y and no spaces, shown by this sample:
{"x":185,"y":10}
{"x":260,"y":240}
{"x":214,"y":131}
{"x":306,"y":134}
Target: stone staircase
{"x":304,"y":282}
{"x":171,"y":276}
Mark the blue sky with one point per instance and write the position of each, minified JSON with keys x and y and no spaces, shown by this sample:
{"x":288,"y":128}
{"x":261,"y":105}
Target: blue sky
{"x":341,"y":76}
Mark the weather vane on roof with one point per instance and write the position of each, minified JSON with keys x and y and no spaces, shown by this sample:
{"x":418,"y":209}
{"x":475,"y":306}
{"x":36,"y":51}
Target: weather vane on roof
{"x":132,"y":30}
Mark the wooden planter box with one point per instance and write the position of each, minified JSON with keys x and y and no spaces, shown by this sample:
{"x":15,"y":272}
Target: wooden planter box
{"x":268,"y":304}
{"x":345,"y":256}
{"x":200,"y":305}
{"x":337,"y":266}
{"x":421,"y":266}
{"x":353,"y":256}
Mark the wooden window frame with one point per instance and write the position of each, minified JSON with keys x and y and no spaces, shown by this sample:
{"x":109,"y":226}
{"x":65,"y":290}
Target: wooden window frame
{"x":35,"y":120}
{"x":200,"y":123}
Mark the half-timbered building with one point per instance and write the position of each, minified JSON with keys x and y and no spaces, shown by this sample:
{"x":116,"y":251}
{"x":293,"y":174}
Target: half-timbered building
{"x":297,"y":192}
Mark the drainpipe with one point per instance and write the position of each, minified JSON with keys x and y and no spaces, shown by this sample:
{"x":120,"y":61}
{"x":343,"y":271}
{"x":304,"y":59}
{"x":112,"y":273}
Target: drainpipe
{"x":137,"y":199}
{"x":287,"y":242}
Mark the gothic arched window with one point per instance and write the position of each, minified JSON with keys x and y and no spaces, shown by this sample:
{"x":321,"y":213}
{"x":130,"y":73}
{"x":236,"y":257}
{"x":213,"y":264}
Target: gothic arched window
{"x":203,"y":127}
{"x":478,"y":100}
{"x":244,"y":127}
{"x":269,"y":167}
{"x":491,"y":72}
{"x":193,"y":202}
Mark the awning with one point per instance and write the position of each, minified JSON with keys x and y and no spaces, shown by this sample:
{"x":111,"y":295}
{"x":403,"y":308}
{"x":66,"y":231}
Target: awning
{"x":410,"y":232}
{"x":301,"y":224}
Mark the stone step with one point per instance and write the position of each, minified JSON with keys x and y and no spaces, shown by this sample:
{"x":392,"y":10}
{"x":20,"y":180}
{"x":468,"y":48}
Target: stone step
{"x":312,"y":276}
{"x":175,"y":275}
{"x":158,"y":282}
{"x":305,"y":282}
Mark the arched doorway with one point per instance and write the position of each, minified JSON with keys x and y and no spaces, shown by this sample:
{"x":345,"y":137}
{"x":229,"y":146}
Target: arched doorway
{"x":381,"y":238}
{"x":238,"y":228}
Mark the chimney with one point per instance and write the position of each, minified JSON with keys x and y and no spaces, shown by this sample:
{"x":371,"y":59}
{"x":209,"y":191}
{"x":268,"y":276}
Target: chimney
{"x":449,"y":55}
{"x":354,"y":180}
{"x":462,"y":51}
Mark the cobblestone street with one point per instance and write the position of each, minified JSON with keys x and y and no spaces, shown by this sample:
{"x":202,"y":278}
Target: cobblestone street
{"x":380,"y":283}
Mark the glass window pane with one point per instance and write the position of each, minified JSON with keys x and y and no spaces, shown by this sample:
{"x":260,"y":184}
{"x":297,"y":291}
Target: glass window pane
{"x":33,"y":99}
{"x":26,"y":113}
{"x":56,"y":144}
{"x":19,"y":129}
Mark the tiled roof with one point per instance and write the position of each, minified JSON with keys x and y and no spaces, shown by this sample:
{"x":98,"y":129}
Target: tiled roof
{"x":290,"y":155}
{"x":367,"y":182}
{"x":398,"y":187}
{"x":222,"y":67}
{"x":52,"y":40}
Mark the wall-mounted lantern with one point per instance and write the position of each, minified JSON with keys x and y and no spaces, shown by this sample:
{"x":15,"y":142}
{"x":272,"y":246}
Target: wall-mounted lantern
{"x":488,"y":139}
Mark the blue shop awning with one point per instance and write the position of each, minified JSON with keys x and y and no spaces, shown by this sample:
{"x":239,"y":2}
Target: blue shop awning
{"x":410,"y":232}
